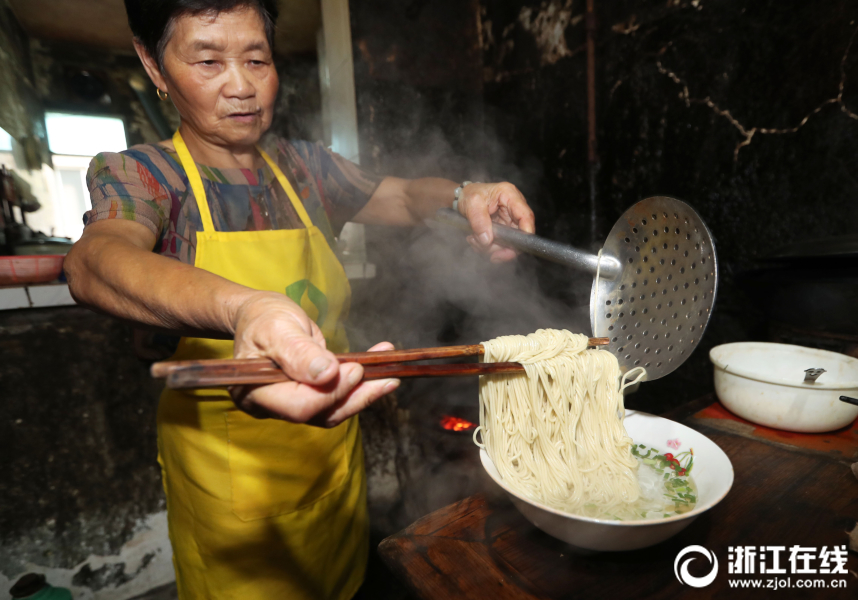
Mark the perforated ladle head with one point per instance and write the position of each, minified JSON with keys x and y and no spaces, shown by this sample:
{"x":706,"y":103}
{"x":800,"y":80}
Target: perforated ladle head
{"x":656,"y":310}
{"x":656,"y":284}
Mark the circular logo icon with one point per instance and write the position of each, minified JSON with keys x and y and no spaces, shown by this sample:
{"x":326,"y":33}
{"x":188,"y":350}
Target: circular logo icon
{"x":681,"y":571}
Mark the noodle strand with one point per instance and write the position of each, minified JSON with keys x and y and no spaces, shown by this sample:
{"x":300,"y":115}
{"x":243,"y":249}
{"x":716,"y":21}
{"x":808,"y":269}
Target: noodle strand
{"x":555,"y":432}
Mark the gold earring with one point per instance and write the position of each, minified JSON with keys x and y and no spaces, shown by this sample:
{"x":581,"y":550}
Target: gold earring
{"x":159,"y":92}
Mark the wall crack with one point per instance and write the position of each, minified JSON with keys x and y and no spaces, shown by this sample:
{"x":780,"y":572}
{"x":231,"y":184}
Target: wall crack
{"x":748,"y":133}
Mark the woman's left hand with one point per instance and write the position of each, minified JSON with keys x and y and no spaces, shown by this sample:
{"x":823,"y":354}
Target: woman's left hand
{"x":485,"y":203}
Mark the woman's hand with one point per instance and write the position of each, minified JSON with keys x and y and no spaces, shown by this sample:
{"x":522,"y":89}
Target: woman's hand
{"x":408,"y":202}
{"x":324,"y":392}
{"x":484,"y":203}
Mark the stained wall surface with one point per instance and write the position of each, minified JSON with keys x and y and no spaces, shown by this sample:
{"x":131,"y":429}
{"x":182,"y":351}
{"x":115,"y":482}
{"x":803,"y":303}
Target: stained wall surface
{"x":80,"y":497}
{"x":746,"y":110}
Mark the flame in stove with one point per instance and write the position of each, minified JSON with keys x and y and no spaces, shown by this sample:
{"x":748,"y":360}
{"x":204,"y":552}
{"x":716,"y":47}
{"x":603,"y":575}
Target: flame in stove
{"x":451,"y":423}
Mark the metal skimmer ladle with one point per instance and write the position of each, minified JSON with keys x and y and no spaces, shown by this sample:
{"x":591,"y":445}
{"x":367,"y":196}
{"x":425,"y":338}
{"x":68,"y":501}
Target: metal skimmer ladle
{"x":656,"y":284}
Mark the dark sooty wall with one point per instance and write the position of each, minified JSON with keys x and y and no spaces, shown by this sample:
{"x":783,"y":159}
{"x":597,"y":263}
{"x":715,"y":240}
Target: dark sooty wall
{"x":77,"y":439}
{"x":747,"y":110}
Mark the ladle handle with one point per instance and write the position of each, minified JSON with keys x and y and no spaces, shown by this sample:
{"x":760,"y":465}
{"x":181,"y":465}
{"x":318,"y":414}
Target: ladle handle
{"x":539,"y":246}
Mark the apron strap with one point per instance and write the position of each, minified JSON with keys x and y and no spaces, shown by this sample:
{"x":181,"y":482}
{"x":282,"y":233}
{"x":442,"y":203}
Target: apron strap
{"x":195,"y":180}
{"x":290,"y":191}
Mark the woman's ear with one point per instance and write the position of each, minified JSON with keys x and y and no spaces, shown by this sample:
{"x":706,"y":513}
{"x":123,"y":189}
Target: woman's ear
{"x":151,"y":66}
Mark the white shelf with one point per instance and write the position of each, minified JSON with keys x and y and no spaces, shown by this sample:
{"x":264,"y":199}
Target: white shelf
{"x":13,"y":297}
{"x":35,"y":296}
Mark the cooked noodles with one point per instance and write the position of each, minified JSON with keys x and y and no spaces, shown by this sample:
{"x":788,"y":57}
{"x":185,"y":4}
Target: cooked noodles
{"x":555,"y":433}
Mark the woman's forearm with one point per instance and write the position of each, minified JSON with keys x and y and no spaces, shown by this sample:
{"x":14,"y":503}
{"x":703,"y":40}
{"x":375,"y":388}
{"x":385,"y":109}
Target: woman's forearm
{"x":110,"y":270}
{"x":427,"y":194}
{"x":406,"y":202}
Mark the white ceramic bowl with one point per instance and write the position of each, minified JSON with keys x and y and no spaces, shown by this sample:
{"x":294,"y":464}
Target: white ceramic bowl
{"x":764,"y":383}
{"x":712,"y":472}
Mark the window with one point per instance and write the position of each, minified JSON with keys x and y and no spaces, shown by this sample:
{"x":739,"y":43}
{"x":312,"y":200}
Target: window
{"x":6,"y":158}
{"x":5,"y":141}
{"x":84,"y":135}
{"x":74,"y":140}
{"x":71,"y":197}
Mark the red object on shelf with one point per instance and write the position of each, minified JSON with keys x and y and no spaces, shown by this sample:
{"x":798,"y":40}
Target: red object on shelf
{"x":30,"y":269}
{"x":451,"y":423}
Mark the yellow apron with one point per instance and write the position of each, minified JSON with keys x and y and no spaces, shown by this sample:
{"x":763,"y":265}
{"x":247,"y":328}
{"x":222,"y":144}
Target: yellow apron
{"x":263,"y":509}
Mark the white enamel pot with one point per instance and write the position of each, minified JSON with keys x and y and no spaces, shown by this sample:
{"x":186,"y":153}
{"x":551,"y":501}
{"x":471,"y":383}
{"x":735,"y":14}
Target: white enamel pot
{"x":764,"y":383}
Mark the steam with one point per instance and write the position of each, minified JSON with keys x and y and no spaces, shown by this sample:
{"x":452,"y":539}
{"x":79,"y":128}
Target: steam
{"x":449,"y":291}
{"x":432,"y":289}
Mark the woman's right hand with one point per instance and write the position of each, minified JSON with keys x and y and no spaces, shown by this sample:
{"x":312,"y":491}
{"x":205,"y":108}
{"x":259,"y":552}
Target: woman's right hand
{"x":324,"y":392}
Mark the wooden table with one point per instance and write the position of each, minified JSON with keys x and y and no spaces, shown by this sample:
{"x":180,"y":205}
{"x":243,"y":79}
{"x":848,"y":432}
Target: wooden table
{"x":790,"y":489}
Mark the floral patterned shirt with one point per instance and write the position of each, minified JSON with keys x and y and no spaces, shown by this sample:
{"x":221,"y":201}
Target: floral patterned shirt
{"x":147,"y":184}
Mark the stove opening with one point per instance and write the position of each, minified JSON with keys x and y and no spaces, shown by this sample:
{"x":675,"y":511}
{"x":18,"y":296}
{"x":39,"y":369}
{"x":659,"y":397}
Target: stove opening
{"x":456,"y":424}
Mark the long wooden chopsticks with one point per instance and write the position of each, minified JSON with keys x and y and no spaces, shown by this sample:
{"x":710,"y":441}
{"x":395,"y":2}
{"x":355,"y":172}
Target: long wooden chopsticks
{"x":377,"y":365}
{"x":209,"y":377}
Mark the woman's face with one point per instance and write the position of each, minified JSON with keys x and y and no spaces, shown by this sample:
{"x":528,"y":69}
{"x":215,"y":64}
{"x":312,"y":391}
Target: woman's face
{"x":220,"y":74}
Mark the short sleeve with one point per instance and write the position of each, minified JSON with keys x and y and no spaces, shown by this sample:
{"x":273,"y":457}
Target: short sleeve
{"x":123,"y":187}
{"x":346,"y":186}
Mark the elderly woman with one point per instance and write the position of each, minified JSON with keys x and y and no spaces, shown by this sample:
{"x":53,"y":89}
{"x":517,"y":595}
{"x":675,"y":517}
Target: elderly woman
{"x":227,"y":239}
